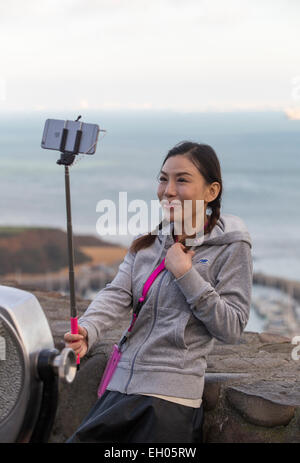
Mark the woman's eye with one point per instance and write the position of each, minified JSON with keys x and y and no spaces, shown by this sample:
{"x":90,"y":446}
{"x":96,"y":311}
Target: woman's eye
{"x":180,"y":179}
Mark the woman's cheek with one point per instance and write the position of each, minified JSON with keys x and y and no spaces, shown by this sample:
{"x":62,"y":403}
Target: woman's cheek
{"x":159,"y":192}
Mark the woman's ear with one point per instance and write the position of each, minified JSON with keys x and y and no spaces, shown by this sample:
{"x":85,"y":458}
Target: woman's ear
{"x":212,"y":192}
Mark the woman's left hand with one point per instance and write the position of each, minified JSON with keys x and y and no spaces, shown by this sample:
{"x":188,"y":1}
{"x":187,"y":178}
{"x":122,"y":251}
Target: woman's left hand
{"x":178,"y":261}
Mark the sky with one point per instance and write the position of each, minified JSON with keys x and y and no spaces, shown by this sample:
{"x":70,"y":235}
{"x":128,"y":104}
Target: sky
{"x":182,"y":55}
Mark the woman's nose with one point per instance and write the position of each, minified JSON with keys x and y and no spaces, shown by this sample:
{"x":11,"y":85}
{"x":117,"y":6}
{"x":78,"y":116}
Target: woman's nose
{"x":170,"y":189}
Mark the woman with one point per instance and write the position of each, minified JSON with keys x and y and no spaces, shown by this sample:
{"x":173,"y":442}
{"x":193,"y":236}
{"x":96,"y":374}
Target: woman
{"x":204,"y":292}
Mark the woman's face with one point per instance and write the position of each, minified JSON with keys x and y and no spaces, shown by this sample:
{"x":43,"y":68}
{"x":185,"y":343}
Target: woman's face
{"x":180,"y":180}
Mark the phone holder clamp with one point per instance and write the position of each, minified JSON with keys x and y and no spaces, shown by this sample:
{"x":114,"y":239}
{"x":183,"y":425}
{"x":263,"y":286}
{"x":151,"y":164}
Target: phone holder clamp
{"x":67,"y":157}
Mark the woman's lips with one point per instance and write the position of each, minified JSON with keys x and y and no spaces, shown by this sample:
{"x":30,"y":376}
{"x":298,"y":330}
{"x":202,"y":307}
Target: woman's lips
{"x":170,"y":204}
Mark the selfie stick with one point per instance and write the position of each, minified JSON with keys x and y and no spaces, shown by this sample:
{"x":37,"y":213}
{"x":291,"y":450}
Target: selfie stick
{"x":66,"y":159}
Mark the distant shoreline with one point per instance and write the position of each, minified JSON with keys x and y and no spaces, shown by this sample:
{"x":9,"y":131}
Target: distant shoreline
{"x":105,"y":253}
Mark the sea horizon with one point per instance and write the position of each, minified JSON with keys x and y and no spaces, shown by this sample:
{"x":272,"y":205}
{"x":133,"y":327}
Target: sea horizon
{"x":258,"y":153}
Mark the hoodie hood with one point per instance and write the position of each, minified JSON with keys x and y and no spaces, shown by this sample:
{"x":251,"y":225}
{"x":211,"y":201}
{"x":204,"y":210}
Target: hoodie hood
{"x":228,"y":229}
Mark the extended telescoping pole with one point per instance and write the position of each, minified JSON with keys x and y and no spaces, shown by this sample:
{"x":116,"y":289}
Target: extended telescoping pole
{"x":67,"y":159}
{"x":73,"y":310}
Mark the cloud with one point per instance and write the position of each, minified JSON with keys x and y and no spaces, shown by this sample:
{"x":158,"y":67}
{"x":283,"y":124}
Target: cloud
{"x":140,"y":54}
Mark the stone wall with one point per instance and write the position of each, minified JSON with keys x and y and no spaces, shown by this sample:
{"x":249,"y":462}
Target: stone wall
{"x":251,"y":394}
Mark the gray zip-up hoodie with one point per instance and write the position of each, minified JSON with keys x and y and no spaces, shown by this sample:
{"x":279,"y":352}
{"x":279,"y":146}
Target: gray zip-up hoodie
{"x":174,"y":332}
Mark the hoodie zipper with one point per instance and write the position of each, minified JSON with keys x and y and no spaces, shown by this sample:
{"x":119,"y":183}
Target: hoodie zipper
{"x":139,"y":348}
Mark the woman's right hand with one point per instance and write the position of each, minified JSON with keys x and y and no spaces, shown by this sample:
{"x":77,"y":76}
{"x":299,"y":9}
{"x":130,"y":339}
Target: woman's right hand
{"x":77,"y":342}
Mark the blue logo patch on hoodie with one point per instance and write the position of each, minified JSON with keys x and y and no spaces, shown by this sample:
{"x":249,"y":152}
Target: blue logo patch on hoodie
{"x":203,"y":261}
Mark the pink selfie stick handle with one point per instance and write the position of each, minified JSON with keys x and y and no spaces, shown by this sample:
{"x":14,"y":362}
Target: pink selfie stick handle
{"x":74,"y":330}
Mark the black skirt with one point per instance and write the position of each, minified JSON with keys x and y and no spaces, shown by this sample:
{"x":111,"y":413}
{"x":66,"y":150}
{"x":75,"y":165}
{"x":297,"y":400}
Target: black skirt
{"x":135,"y":418}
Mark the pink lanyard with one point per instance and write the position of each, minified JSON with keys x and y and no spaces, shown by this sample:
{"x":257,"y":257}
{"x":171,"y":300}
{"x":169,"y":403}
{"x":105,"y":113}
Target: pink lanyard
{"x":146,"y":288}
{"x":152,"y":277}
{"x":154,"y":274}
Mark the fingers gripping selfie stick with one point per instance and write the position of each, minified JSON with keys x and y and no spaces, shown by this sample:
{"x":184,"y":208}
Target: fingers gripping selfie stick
{"x":66,"y":159}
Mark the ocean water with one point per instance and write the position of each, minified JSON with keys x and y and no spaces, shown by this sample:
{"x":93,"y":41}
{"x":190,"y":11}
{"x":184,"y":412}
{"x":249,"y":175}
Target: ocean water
{"x":259,"y":155}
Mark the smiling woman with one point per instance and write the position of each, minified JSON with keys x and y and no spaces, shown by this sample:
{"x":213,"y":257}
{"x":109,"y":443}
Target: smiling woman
{"x":189,"y":172}
{"x":195,"y":295}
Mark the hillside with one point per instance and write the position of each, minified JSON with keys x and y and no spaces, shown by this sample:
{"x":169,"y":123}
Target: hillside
{"x":37,"y":249}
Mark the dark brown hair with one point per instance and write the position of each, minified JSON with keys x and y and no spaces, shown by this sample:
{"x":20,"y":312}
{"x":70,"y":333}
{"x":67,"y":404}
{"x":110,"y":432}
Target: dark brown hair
{"x":207,"y":162}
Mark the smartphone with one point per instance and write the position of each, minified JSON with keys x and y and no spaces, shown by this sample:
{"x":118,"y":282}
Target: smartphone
{"x":53,"y":130}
